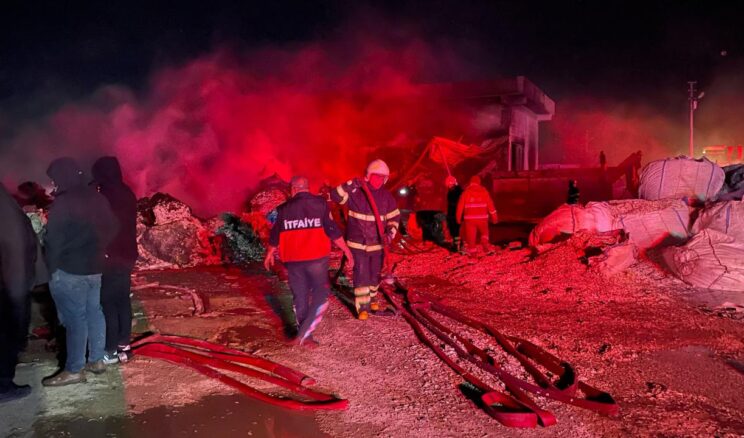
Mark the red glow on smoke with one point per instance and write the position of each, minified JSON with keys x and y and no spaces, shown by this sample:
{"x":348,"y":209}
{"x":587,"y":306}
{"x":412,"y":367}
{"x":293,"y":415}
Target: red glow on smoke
{"x":582,"y":128}
{"x":208,"y":131}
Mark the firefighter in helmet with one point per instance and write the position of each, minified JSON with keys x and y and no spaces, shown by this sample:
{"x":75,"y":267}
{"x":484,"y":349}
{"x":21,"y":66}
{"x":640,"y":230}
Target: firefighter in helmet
{"x":362,"y":234}
{"x":474,"y":209}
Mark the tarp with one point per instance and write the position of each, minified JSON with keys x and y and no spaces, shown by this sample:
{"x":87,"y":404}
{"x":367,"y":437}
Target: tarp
{"x":617,"y":258}
{"x":681,"y":177}
{"x":647,"y":223}
{"x":725,"y":217}
{"x":443,"y":150}
{"x":733,"y":189}
{"x":651,"y":223}
{"x":568,"y":219}
{"x":711,"y":260}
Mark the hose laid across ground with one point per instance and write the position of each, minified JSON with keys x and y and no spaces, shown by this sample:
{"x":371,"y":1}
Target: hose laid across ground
{"x":515,"y":408}
{"x":207,"y":358}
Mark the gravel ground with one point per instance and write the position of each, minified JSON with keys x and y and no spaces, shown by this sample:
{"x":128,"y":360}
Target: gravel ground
{"x":637,"y":335}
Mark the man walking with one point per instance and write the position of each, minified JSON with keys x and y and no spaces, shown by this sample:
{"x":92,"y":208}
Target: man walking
{"x":302,"y":235}
{"x":119,"y":263}
{"x":362,"y":234}
{"x":80,"y":227}
{"x":473,"y":211}
{"x":17,"y":260}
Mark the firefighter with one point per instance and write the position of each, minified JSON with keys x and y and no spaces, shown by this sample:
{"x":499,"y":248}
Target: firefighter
{"x":454,"y":192}
{"x":473,"y":211}
{"x":362,"y":234}
{"x":302,"y":234}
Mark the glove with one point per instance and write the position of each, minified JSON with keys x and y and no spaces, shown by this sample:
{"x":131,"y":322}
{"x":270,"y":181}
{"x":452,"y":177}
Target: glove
{"x":390,"y":235}
{"x":353,"y":184}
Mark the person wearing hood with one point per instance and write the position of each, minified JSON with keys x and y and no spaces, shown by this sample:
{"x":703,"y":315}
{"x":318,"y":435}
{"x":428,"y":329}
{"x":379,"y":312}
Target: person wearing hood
{"x":79,"y":229}
{"x":121,"y":257}
{"x":473,"y":211}
{"x":18,"y":252}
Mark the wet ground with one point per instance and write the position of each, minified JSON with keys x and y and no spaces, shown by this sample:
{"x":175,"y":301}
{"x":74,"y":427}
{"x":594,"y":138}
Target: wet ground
{"x":141,"y":398}
{"x":669,"y":363}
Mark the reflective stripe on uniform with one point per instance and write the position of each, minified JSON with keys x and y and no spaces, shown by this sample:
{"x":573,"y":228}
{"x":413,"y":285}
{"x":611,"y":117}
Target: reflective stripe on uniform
{"x":475,"y":205}
{"x":342,"y":193}
{"x":362,"y":216}
{"x":371,"y":218}
{"x":476,"y":216}
{"x":363,"y":247}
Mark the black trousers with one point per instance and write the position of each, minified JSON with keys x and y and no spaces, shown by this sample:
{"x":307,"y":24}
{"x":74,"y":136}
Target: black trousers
{"x":15,"y":312}
{"x":430,"y":222}
{"x":117,"y":308}
{"x":310,"y":289}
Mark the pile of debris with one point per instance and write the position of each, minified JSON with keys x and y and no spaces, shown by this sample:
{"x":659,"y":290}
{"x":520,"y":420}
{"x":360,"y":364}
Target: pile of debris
{"x":171,"y":236}
{"x":681,"y":220}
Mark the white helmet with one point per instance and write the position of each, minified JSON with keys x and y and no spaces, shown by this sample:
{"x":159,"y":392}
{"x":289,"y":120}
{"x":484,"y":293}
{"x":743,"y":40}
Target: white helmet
{"x":378,"y":167}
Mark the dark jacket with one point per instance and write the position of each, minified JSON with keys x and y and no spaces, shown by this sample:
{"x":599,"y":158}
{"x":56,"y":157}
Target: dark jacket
{"x":122,"y":251}
{"x":304,"y":229}
{"x":361,"y":229}
{"x":17,"y":249}
{"x":81,"y":224}
{"x":453,"y":198}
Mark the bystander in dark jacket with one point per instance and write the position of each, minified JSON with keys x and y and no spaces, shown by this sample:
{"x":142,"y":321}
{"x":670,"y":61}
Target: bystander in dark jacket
{"x":18,"y":252}
{"x":121,"y":257}
{"x":80,"y":227}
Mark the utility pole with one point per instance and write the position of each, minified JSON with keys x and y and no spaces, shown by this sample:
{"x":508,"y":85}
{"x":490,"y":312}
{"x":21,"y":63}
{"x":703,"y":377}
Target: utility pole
{"x":693,"y":98}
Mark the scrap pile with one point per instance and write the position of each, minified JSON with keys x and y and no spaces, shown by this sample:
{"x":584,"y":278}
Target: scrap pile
{"x":681,"y":215}
{"x":171,"y":236}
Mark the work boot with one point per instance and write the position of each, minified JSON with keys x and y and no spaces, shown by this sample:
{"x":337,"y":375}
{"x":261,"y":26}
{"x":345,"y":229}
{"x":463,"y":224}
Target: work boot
{"x":12,"y":392}
{"x":363,"y":315}
{"x":64,"y":378}
{"x":97,"y":367}
{"x":374,"y":306}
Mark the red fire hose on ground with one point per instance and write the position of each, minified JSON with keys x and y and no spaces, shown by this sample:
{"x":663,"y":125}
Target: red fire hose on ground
{"x":207,"y":358}
{"x":516,"y":407}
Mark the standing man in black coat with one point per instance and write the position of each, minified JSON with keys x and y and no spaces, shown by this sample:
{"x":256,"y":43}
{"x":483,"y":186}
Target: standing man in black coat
{"x":81,"y":225}
{"x":17,"y":259}
{"x":121,"y":257}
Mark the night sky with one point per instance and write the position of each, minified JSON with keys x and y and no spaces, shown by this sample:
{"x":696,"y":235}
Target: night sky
{"x":605,"y":48}
{"x":618,"y":70}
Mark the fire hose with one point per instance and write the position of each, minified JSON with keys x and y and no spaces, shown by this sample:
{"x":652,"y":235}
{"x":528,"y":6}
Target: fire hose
{"x":207,"y":358}
{"x":514,"y":408}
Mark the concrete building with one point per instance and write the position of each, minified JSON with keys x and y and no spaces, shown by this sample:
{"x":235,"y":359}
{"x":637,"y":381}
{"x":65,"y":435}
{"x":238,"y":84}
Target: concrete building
{"x":508,"y":113}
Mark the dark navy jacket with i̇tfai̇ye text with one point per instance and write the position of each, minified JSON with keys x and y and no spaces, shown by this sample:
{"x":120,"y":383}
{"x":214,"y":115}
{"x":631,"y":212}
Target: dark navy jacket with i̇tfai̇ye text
{"x":304,"y":229}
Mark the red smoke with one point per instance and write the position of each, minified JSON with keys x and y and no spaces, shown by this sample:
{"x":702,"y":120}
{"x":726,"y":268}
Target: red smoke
{"x":208,"y":131}
{"x":583,"y":127}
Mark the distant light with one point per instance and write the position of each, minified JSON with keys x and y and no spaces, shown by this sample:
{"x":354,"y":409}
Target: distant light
{"x":403,"y":191}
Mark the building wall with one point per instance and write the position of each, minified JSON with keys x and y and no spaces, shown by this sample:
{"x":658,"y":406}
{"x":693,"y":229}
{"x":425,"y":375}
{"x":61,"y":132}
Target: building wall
{"x":524,"y":131}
